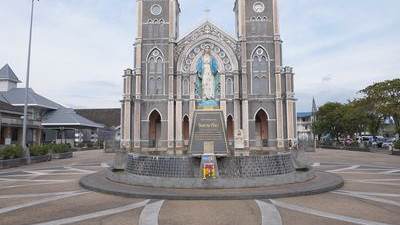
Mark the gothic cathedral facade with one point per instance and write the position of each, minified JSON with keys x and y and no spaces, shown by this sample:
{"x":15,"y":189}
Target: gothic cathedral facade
{"x":256,"y":93}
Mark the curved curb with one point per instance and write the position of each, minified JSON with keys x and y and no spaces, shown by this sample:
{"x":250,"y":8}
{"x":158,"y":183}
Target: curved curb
{"x":323,"y":182}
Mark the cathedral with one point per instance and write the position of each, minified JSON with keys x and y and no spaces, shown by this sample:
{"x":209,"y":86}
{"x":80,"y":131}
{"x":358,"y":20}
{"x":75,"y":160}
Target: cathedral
{"x":256,"y":93}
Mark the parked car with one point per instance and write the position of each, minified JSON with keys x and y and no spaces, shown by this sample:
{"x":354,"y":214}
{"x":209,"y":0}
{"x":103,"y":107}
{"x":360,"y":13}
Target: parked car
{"x":387,"y":142}
{"x":380,"y":140}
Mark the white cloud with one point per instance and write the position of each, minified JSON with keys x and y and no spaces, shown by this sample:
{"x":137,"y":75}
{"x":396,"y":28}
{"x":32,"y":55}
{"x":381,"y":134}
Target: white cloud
{"x":80,"y":48}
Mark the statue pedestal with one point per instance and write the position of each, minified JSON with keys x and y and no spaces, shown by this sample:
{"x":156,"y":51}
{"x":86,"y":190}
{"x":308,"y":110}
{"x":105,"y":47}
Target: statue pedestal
{"x":208,"y":136}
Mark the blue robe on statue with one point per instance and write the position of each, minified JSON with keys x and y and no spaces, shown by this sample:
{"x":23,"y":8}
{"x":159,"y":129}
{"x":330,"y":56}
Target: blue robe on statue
{"x":199,"y":77}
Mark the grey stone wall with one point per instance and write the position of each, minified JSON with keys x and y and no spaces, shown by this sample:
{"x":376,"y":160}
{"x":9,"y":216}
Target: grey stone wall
{"x":229,"y":167}
{"x":255,"y":166}
{"x":162,"y":166}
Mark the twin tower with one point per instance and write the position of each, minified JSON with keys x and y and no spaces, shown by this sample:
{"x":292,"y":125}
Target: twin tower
{"x":256,"y":92}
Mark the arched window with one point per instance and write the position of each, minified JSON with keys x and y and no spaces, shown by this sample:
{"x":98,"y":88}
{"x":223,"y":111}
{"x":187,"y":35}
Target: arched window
{"x":155,"y":73}
{"x":185,"y":129}
{"x":260,"y":72}
{"x":261,"y":128}
{"x":229,"y":86}
{"x":229,"y":128}
{"x":185,"y":87}
{"x":154,"y":129}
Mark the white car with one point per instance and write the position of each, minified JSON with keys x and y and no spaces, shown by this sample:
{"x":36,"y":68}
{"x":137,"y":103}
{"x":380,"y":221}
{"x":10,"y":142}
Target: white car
{"x":387,"y":142}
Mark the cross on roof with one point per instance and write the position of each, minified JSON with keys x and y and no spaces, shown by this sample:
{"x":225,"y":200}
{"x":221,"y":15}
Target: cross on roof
{"x":207,"y":11}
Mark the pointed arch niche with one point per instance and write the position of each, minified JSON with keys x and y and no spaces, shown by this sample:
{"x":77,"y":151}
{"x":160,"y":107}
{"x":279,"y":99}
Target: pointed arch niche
{"x":260,"y":72}
{"x":230,"y":128}
{"x":185,"y":129}
{"x":261,"y":128}
{"x":155,"y":73}
{"x":154,"y":129}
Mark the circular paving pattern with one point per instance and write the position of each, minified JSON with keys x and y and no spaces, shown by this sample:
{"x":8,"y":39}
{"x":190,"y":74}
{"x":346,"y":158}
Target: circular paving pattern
{"x":49,"y":193}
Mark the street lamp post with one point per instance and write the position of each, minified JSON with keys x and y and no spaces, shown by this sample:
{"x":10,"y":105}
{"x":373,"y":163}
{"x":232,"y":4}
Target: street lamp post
{"x":26,"y":150}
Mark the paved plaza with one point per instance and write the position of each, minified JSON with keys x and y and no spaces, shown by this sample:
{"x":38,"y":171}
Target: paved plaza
{"x":49,"y":193}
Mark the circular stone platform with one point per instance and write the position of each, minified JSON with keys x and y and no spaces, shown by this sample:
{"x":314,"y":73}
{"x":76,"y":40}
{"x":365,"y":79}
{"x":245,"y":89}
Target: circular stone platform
{"x":184,"y":172}
{"x":323,"y":182}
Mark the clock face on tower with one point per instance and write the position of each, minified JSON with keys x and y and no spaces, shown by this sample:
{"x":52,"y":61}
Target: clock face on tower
{"x":155,"y":10}
{"x":258,"y":7}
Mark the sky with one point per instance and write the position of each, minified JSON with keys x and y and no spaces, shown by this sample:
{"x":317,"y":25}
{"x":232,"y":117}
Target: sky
{"x":81,"y":47}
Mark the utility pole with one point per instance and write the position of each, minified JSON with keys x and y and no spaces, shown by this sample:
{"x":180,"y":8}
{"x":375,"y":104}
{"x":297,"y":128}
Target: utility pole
{"x":26,"y":149}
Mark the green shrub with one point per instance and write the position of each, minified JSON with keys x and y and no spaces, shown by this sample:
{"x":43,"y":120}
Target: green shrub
{"x":367,"y":145}
{"x":46,"y":149}
{"x":61,"y":148}
{"x":12,"y":152}
{"x":354,"y":144}
{"x":397,"y":145}
{"x":100,"y":144}
{"x":89,"y":144}
{"x":81,"y":145}
{"x":35,"y":150}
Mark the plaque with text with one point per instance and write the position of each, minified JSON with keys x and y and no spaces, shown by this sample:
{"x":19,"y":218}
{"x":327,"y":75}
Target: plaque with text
{"x":208,"y":136}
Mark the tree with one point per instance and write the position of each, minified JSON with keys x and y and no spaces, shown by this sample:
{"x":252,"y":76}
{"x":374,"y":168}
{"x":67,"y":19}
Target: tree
{"x":355,"y":119}
{"x":328,"y":120}
{"x":384,"y":99}
{"x":369,"y":118}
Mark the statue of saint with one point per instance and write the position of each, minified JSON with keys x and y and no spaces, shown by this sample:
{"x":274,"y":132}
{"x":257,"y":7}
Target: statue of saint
{"x":207,"y":79}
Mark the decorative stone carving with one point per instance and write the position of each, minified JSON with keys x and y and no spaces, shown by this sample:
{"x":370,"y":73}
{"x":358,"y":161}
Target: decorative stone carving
{"x":187,"y":63}
{"x":209,"y":29}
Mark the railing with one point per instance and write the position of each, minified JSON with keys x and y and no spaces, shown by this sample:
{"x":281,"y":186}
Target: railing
{"x":19,"y":122}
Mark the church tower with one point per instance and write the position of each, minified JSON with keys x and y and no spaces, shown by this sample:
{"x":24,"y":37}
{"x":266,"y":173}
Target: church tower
{"x":268,"y":104}
{"x":255,"y":92}
{"x":148,"y":103}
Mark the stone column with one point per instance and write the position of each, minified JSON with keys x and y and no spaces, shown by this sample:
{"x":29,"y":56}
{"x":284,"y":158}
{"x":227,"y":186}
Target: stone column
{"x":192,"y":101}
{"x":278,"y":75}
{"x":19,"y":140}
{"x":7,"y":133}
{"x":236,"y":102}
{"x":242,"y":18}
{"x":127,"y":105}
{"x":242,"y":44}
{"x":279,"y":109}
{"x":1,"y":121}
{"x":135,"y":123}
{"x":223,"y":96}
{"x":178,"y":119}
{"x":138,"y":98}
{"x":290,"y":104}
{"x":245,"y":102}
{"x":38,"y":136}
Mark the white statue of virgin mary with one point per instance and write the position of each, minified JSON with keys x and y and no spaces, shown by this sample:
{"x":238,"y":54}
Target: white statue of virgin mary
{"x":207,"y":81}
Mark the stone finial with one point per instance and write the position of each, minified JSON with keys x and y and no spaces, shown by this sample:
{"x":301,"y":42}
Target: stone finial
{"x":128,"y":72}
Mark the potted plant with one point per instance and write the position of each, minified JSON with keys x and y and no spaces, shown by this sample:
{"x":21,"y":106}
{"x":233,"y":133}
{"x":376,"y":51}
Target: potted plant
{"x":395,"y":149}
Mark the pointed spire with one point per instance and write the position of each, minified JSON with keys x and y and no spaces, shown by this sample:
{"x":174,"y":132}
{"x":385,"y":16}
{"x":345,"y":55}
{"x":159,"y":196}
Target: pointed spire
{"x":6,"y":73}
{"x":314,"y":107}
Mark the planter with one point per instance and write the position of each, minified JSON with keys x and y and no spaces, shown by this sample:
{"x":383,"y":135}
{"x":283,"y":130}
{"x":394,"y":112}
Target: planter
{"x":87,"y":149}
{"x":395,"y":152}
{"x":346,"y":148}
{"x":39,"y":159}
{"x":9,"y":163}
{"x":65,"y":155}
{"x":110,"y":150}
